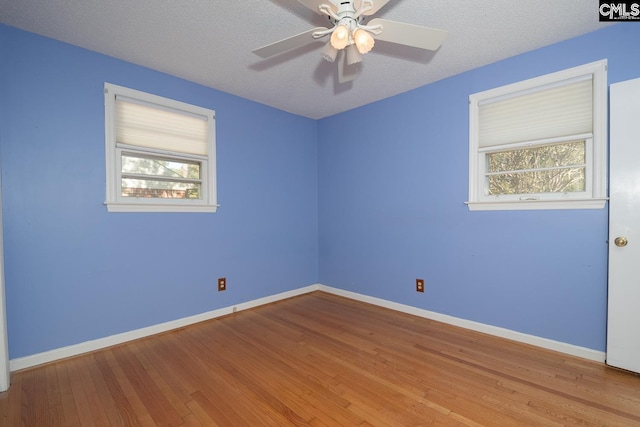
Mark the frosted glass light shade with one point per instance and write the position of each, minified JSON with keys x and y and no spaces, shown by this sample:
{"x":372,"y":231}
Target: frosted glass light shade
{"x":329,"y":52}
{"x":340,"y":37}
{"x":353,"y":55}
{"x":364,"y":41}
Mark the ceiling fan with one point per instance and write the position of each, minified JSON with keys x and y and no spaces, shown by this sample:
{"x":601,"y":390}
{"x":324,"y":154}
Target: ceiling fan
{"x":351,"y":37}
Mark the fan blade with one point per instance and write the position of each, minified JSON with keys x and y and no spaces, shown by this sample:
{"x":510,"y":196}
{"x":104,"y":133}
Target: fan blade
{"x":314,"y":4}
{"x":290,"y":43}
{"x":346,"y":72}
{"x":409,"y":34}
{"x":377,"y":5}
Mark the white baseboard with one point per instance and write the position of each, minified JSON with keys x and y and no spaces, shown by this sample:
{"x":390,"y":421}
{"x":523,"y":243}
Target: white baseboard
{"x":88,"y":346}
{"x":574,"y":350}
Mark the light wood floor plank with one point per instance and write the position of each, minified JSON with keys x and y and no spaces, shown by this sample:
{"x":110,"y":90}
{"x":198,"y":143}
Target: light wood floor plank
{"x":95,"y":404}
{"x":323,"y":361}
{"x":151,"y":396}
{"x":264,"y":405}
{"x":69,"y":404}
{"x":83,"y":408}
{"x":54,"y":395}
{"x":126,"y":413}
{"x":177,"y":403}
{"x":199,"y":416}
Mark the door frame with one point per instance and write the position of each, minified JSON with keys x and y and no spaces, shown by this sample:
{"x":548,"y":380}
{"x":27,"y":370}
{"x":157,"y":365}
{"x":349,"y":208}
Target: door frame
{"x":4,"y":342}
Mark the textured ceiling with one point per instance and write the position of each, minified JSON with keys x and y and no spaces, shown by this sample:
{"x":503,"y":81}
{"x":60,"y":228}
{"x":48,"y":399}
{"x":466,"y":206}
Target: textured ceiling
{"x":210,"y":42}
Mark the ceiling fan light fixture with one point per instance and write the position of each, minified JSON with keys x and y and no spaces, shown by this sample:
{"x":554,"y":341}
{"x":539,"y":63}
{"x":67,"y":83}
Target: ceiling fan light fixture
{"x":353,"y":55}
{"x":350,"y":28}
{"x":340,"y":37}
{"x":363,"y":40}
{"x":329,"y":52}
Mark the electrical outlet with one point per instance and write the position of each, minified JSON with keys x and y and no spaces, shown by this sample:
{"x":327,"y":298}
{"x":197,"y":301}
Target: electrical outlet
{"x":419,"y":285}
{"x":222,"y":284}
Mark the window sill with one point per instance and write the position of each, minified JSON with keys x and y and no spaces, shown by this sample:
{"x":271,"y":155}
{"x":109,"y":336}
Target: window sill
{"x":523,"y":205}
{"x":148,"y":207}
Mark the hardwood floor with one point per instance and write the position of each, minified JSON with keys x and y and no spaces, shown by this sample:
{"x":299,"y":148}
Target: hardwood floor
{"x":322,"y":360}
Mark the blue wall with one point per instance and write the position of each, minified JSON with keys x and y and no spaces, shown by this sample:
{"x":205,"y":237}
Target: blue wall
{"x":75,"y":272}
{"x":365,"y":201}
{"x":393,"y":179}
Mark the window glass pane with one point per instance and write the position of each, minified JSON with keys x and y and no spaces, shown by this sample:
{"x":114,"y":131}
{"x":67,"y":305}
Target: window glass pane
{"x":158,"y":166}
{"x":548,"y":156}
{"x":566,"y":180}
{"x":146,"y":188}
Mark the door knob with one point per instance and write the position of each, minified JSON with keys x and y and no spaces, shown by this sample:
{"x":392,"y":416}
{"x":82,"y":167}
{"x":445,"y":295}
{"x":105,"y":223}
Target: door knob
{"x":621,"y":241}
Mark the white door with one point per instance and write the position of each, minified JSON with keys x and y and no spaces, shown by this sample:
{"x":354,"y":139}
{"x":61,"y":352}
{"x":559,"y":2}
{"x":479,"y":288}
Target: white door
{"x":623,"y":326}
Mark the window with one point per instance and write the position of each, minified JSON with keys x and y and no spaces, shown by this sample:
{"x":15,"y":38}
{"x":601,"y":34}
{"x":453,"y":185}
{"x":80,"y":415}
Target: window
{"x":160,"y":153}
{"x":541,"y":143}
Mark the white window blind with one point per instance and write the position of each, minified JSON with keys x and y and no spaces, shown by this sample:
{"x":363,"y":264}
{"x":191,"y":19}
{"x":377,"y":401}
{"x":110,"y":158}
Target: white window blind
{"x":552,"y":111}
{"x":160,"y":153}
{"x":147,"y":125}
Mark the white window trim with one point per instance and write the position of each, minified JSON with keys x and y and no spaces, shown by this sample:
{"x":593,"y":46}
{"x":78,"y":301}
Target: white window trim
{"x":114,"y":201}
{"x":595,"y":196}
